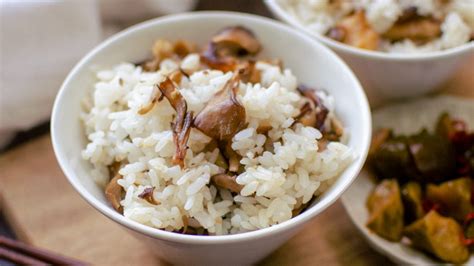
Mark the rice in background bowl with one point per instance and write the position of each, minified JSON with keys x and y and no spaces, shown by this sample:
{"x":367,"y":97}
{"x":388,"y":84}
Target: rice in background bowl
{"x":387,"y":76}
{"x":350,"y":104}
{"x":393,"y":26}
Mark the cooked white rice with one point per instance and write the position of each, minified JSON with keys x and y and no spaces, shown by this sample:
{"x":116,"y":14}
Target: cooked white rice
{"x":282,"y":171}
{"x":458,"y":19}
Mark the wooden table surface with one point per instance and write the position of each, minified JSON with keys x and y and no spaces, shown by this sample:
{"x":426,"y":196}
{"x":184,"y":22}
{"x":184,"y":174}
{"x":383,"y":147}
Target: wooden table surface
{"x":44,"y":210}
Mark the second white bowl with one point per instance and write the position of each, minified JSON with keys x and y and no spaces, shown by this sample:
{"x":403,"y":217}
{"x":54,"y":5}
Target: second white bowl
{"x":388,"y":76}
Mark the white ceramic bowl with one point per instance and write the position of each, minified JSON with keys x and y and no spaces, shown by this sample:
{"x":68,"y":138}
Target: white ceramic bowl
{"x":313,"y":64}
{"x":389,"y":76}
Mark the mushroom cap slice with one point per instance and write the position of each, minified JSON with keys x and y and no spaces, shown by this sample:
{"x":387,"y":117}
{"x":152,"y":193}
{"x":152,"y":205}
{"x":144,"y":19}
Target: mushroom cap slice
{"x":223,"y":116}
{"x":235,"y":41}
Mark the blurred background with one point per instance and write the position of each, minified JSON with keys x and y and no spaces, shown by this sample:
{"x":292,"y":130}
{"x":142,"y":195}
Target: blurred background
{"x":40,"y":41}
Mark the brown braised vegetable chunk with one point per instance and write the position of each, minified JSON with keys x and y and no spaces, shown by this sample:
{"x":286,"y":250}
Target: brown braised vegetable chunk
{"x":379,"y":138}
{"x":439,"y":236}
{"x":453,"y":197}
{"x":226,"y":181}
{"x":393,"y":159}
{"x":456,"y":132}
{"x":386,"y":210}
{"x":223,"y":116}
{"x":423,"y":157}
{"x":469,"y":229}
{"x":183,"y":121}
{"x":433,"y":156}
{"x":356,"y":31}
{"x":113,"y":193}
{"x":412,"y":201}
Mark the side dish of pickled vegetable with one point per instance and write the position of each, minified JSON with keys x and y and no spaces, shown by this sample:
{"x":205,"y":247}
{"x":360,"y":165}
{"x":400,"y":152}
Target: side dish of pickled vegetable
{"x":425,"y":189}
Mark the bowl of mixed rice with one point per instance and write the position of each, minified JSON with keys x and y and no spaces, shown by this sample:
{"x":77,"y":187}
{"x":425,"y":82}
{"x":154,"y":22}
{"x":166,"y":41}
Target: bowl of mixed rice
{"x":212,"y":136}
{"x":397,"y":48}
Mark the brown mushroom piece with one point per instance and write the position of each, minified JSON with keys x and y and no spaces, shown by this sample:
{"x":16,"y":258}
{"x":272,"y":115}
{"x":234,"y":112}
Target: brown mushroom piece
{"x":223,"y":116}
{"x":313,"y":113}
{"x":228,"y":45}
{"x":232,"y":156}
{"x":420,"y":29}
{"x":412,"y":201}
{"x":113,"y":193}
{"x":226,"y":181}
{"x":453,"y":197}
{"x":183,"y":121}
{"x":147,"y":195}
{"x":439,"y":236}
{"x":356,"y":31}
{"x":235,"y":41}
{"x":386,"y":210}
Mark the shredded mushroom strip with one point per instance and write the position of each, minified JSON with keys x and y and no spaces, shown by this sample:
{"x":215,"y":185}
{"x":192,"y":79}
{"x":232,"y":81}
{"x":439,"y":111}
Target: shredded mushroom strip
{"x":183,"y":121}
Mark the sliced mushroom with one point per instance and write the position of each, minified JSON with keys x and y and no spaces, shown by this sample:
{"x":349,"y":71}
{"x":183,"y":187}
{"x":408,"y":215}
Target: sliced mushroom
{"x":228,"y":45}
{"x":163,"y":49}
{"x":182,"y":48}
{"x":322,"y":144}
{"x":156,"y":96}
{"x":336,"y":126}
{"x":307,"y":115}
{"x":223,"y":116}
{"x":249,"y":72}
{"x":183,"y":121}
{"x":235,"y":41}
{"x":422,"y":29}
{"x":232,"y":156}
{"x":356,"y":31}
{"x":147,"y":195}
{"x":263,"y":128}
{"x":226,"y":181}
{"x":316,"y":108}
{"x":408,"y":14}
{"x":113,"y":193}
{"x":114,"y":168}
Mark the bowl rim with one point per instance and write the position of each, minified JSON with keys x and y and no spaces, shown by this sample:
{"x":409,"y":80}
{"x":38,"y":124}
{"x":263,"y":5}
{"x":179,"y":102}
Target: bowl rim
{"x":220,"y":239}
{"x":276,"y":8}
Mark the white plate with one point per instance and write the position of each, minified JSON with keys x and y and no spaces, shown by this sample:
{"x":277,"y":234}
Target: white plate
{"x":404,"y":118}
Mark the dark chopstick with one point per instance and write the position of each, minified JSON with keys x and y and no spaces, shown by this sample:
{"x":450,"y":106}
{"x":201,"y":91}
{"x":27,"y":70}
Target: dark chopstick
{"x":11,"y":248}
{"x":17,"y":258}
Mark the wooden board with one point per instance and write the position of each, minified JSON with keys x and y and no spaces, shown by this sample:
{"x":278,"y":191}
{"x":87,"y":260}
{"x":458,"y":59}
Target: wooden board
{"x":45,"y":211}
